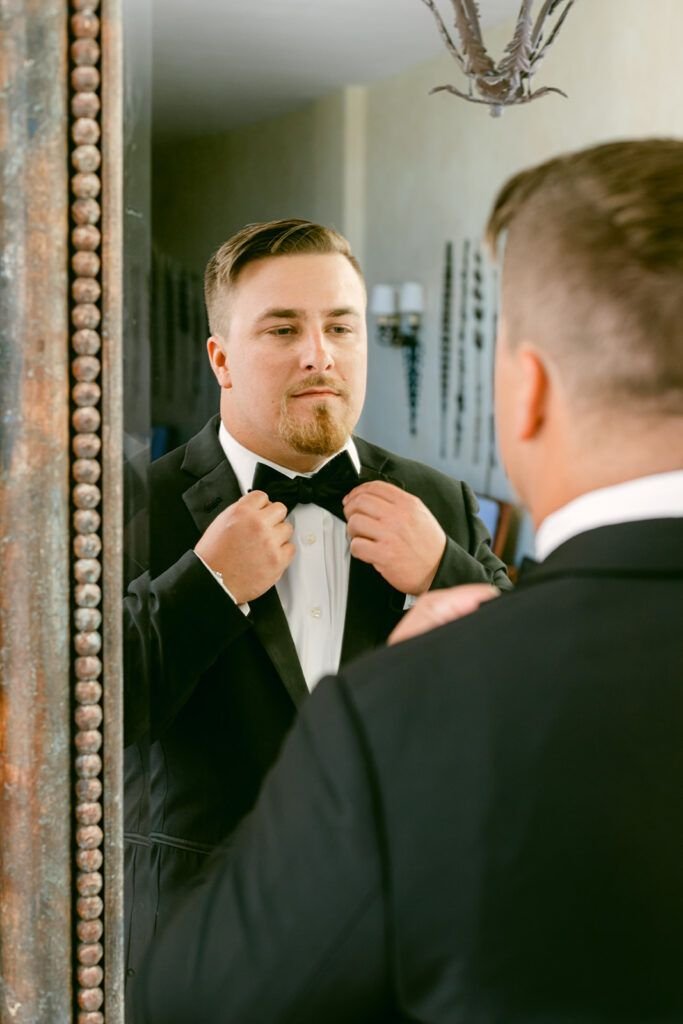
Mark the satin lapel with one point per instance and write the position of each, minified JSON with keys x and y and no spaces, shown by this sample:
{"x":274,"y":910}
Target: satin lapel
{"x":272,"y":629}
{"x":373,"y":606}
{"x":211,"y":494}
{"x":215,"y":484}
{"x":215,"y":489}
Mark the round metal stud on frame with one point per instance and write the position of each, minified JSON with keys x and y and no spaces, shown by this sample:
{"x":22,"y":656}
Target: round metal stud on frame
{"x":86,"y":469}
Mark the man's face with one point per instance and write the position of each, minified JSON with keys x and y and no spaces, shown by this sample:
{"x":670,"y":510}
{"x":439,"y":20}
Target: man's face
{"x":296,"y":357}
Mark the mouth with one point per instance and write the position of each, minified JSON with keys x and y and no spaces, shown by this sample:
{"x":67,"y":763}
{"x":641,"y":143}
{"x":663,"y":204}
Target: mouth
{"x":316,"y":393}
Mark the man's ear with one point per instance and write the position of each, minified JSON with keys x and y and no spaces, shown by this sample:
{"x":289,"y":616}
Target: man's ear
{"x":533,"y":392}
{"x":218,"y":358}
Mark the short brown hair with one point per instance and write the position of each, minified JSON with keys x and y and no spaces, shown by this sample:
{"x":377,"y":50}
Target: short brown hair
{"x":258,"y":241}
{"x":593,"y":268}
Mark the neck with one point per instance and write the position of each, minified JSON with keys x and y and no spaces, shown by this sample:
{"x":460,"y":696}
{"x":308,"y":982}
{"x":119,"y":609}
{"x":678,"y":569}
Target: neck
{"x":641,"y":447}
{"x":278,"y":452}
{"x":296,"y":461}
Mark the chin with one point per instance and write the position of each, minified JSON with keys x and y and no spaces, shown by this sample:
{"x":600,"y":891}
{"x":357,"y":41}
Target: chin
{"x":319,"y":434}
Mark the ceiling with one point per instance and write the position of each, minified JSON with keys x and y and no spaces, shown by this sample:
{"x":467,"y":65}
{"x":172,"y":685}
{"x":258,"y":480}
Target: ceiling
{"x":221,"y":63}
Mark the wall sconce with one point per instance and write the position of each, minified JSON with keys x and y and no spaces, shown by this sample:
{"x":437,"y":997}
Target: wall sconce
{"x":399,"y":313}
{"x":399,"y":318}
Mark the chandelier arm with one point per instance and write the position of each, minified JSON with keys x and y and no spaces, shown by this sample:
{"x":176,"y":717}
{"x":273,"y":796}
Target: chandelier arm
{"x":516,"y":59}
{"x":537,"y":55}
{"x":473,"y":16}
{"x":445,"y":34}
{"x":463,"y":95}
{"x":548,"y":7}
{"x":513,"y":102}
{"x":543,"y":91}
{"x":478,"y":60}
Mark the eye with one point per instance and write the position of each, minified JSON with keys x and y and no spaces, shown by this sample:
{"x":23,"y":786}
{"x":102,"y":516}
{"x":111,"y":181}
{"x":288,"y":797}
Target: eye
{"x":340,"y":329}
{"x":282,"y":330}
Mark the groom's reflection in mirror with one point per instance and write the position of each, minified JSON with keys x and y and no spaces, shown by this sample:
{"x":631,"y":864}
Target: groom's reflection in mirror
{"x":281,"y":546}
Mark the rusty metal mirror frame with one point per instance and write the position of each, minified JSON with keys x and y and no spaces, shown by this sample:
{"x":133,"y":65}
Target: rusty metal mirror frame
{"x":61,"y":889}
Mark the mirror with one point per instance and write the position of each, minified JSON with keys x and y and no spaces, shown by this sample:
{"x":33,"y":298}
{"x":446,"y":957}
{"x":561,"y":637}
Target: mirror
{"x":344,"y":132}
{"x":286,"y":112}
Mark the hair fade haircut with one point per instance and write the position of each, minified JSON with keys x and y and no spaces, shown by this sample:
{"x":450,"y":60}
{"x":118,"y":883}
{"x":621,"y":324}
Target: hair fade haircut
{"x":259,"y":241}
{"x":593,"y":269}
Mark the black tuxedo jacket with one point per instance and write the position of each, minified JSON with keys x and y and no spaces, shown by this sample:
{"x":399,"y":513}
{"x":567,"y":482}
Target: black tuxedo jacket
{"x":210,"y":693}
{"x":481,"y":825}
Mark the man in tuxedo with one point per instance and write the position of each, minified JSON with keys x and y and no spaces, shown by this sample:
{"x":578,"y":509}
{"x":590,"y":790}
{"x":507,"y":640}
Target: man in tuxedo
{"x":485,"y":823}
{"x":280,"y":547}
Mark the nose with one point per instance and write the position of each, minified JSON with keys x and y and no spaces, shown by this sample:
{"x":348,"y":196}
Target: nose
{"x":316,"y":351}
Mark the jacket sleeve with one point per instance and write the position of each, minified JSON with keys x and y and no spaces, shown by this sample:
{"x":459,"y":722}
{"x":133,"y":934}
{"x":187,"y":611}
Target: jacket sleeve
{"x":175,"y":627}
{"x":469,"y":559}
{"x":288,"y":922}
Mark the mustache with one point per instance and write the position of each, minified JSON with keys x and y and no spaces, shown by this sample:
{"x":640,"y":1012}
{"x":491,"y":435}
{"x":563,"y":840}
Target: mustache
{"x":318,"y":380}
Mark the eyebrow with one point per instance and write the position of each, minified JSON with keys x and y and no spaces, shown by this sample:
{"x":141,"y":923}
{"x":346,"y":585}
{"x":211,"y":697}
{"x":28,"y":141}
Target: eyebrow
{"x":343,"y":311}
{"x":298,"y":314}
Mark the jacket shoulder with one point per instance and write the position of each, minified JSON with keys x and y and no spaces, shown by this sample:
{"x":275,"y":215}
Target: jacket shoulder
{"x":410,"y":471}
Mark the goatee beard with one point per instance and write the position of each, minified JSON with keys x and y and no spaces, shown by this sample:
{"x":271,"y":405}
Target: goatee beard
{"x":320,"y":434}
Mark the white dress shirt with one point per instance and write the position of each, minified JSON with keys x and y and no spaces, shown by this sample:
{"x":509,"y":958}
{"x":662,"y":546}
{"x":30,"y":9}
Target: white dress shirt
{"x":648,"y":497}
{"x":313,"y":589}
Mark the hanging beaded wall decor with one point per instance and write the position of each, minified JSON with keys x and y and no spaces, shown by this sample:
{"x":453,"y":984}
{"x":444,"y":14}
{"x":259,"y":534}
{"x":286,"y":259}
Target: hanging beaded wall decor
{"x":462,"y":341}
{"x":478,"y":343}
{"x":412,"y":358}
{"x":446,"y":303}
{"x":493,"y":458}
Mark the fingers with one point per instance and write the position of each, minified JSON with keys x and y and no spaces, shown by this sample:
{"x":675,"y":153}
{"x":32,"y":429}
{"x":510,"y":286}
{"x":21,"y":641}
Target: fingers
{"x":259,"y":500}
{"x":454,"y":602}
{"x":413,"y":624}
{"x":254,"y":499}
{"x":369,"y":505}
{"x":283,"y":532}
{"x":375,"y":494}
{"x":360,"y":525}
{"x":374,"y":508}
{"x":288,"y":551}
{"x":441,"y":606}
{"x":276,"y":512}
{"x":365,"y":550}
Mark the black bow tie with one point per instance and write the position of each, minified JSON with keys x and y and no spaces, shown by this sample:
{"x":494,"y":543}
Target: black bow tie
{"x":326,"y":488}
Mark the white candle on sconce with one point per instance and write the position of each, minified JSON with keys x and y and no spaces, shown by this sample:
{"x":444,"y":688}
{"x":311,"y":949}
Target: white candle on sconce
{"x":383,"y":300}
{"x":411,"y":298}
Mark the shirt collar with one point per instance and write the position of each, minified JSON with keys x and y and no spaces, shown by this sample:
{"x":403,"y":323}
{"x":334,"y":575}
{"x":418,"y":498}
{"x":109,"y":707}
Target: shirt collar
{"x":243,"y":461}
{"x":649,"y":497}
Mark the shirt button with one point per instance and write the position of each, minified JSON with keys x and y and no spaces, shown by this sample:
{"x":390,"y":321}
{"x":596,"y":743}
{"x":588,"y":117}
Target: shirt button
{"x":316,"y":612}
{"x":309,"y":538}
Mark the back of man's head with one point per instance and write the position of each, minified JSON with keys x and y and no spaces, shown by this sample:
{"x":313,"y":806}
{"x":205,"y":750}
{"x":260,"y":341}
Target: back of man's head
{"x":593,"y":272}
{"x":258,"y":241}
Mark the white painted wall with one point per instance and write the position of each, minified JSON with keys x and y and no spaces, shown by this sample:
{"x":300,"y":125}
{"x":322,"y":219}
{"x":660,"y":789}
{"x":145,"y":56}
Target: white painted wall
{"x":291,"y":166}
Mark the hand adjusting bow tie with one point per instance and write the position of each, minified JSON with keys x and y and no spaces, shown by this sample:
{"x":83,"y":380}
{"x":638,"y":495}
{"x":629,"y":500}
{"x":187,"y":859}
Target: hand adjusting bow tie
{"x":325,"y":488}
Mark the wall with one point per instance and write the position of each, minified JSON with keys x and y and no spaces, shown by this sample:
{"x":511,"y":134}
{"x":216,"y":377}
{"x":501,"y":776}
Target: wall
{"x":295,"y":166}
